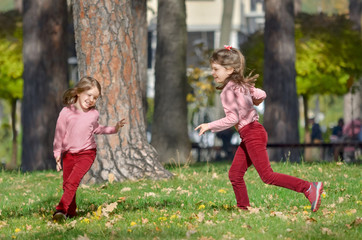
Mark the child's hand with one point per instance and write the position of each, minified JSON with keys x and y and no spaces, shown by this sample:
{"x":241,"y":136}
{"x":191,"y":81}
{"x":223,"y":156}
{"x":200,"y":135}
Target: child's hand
{"x":256,"y":102}
{"x":59,"y":166}
{"x":120,"y":124}
{"x":203,"y":128}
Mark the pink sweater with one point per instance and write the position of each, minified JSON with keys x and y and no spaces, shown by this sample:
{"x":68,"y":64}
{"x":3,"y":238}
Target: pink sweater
{"x":75,"y":130}
{"x":238,"y":107}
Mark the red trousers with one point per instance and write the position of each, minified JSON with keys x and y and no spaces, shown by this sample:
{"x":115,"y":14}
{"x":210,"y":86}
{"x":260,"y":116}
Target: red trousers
{"x":75,"y":166}
{"x":252,"y":150}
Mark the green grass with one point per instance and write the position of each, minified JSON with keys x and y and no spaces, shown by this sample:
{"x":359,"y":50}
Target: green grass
{"x":198,"y":203}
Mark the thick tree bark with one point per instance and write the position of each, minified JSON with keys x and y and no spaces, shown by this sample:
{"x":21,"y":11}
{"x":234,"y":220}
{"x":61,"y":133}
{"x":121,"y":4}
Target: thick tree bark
{"x":106,"y":49}
{"x":45,"y":79}
{"x":139,"y":10}
{"x":169,"y":129}
{"x":281,"y":106}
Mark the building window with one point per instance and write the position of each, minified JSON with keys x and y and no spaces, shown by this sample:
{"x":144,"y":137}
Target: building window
{"x":254,"y":4}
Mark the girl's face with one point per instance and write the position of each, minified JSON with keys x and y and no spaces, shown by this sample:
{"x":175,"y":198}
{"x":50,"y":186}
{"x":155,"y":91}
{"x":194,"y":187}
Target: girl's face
{"x":220,"y":73}
{"x":87,"y":99}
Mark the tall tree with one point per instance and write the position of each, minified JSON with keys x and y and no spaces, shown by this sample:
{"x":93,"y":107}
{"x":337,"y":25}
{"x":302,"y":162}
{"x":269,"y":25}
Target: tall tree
{"x":353,"y":100}
{"x":169,"y":129}
{"x":281,"y":106}
{"x":106,"y":49}
{"x":139,"y":10}
{"x":45,"y":79}
{"x":226,"y":22}
{"x":11,"y":71}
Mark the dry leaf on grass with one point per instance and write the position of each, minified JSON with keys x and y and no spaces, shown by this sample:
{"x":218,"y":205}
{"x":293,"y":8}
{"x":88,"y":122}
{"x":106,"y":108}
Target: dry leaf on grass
{"x":327,"y":231}
{"x":108,"y":209}
{"x":85,"y":237}
{"x":126,"y":189}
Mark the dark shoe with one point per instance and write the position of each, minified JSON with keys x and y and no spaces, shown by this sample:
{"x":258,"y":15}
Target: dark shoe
{"x":59,"y":217}
{"x":314,"y":195}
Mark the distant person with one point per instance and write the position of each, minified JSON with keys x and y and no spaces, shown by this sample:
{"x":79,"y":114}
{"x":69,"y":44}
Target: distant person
{"x":74,"y":140}
{"x":352,"y":129}
{"x":337,"y":137}
{"x":238,"y":98}
{"x":316,"y":135}
{"x":351,"y":132}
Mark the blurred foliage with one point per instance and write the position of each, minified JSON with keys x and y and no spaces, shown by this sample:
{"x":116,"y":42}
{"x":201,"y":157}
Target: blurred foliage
{"x":201,"y":91}
{"x":202,"y":88}
{"x":328,"y":54}
{"x":328,"y":7}
{"x":11,"y":64}
{"x":11,"y":81}
{"x":7,"y":5}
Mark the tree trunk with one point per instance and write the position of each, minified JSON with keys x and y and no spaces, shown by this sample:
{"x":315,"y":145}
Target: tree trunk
{"x":169,"y":129}
{"x":226,"y":23}
{"x":18,"y":5}
{"x":225,"y":33}
{"x":308,"y":152}
{"x":306,"y":119}
{"x":297,"y":7}
{"x":106,"y":49}
{"x":45,"y":79}
{"x":355,"y":11}
{"x":281,"y":105}
{"x":139,"y":10}
{"x":13,"y":162}
{"x":353,"y":100}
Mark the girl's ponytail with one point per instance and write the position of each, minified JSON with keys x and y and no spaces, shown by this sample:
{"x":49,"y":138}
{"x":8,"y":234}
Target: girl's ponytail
{"x":70,"y":97}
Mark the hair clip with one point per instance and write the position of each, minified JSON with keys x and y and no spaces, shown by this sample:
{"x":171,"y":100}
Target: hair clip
{"x":227,"y":47}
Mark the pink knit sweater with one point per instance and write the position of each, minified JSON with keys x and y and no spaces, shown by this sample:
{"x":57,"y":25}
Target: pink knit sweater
{"x":75,"y":130}
{"x":238,"y":107}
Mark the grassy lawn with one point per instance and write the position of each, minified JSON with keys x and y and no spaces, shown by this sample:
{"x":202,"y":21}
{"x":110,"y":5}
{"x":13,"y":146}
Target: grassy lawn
{"x":198,"y":203}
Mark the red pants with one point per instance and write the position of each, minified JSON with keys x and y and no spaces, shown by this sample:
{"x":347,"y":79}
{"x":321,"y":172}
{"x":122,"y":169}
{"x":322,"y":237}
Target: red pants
{"x":252,"y":150}
{"x":75,"y":166}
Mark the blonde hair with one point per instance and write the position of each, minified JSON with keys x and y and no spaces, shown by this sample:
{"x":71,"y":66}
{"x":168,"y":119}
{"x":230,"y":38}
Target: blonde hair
{"x":233,"y":58}
{"x":71,"y":95}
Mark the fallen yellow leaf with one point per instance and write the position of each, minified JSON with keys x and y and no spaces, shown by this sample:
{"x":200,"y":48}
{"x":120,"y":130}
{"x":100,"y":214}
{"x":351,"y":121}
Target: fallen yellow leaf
{"x":111,"y":178}
{"x":202,"y":206}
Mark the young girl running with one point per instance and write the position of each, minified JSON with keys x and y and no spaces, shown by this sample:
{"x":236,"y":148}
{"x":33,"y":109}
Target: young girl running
{"x":238,"y":97}
{"x":74,"y":140}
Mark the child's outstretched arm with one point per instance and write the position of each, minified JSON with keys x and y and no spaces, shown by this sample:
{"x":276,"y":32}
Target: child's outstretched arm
{"x":100,"y":129}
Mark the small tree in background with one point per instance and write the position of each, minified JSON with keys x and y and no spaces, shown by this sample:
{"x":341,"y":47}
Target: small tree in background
{"x":11,"y":70}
